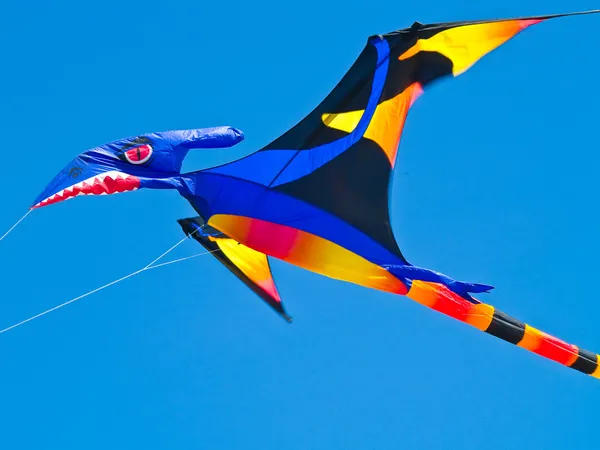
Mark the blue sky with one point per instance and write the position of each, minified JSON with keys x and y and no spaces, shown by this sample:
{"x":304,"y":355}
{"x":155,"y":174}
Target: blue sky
{"x":496,"y":183}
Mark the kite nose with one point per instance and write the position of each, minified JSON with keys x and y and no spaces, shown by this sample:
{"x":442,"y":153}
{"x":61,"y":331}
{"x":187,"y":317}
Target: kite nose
{"x":238,"y":133}
{"x":234,"y":134}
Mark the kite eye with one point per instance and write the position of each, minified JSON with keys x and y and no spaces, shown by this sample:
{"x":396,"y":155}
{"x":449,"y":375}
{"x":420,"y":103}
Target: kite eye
{"x":138,"y":155}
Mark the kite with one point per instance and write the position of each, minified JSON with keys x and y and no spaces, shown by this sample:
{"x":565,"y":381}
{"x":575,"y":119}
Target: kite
{"x":318,"y":196}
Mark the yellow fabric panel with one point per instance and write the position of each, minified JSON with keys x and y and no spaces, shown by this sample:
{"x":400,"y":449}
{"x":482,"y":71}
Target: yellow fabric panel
{"x":465,"y":45}
{"x":308,"y":251}
{"x":532,"y":338}
{"x":254,"y":264}
{"x":388,"y":121}
{"x":480,"y":316}
{"x":423,"y":293}
{"x":386,"y":124}
{"x":343,"y":121}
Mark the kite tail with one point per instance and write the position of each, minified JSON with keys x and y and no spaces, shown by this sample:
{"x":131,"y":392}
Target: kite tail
{"x":490,"y":320}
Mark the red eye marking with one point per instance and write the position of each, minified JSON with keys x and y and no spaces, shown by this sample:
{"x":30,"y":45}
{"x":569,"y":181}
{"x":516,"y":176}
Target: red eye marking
{"x":139,"y":155}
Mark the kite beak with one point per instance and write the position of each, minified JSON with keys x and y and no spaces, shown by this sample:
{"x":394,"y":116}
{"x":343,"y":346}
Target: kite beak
{"x":106,"y":183}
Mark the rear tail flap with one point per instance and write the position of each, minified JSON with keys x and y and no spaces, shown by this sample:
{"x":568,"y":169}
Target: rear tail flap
{"x":492,"y":321}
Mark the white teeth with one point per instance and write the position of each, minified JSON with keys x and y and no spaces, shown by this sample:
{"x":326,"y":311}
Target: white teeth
{"x":113,"y":175}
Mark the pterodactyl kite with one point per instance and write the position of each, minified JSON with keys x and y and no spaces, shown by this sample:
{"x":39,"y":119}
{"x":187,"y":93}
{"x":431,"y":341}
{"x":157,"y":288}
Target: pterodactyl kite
{"x":317,"y":196}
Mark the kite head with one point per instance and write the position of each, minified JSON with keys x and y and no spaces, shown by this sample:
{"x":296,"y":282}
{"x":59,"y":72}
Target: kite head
{"x":152,"y":160}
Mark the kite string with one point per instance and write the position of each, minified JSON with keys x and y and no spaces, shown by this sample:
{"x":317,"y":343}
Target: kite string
{"x":62,"y":305}
{"x":167,"y":252}
{"x":17,"y":223}
{"x":181,"y":259}
{"x":148,"y":267}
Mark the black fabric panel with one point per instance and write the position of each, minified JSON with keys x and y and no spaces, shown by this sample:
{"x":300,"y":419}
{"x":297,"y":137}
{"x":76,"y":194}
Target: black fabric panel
{"x":353,"y":91}
{"x":353,"y":187}
{"x":424,"y":68}
{"x":586,"y":362}
{"x":507,"y":328}
{"x":351,"y":94}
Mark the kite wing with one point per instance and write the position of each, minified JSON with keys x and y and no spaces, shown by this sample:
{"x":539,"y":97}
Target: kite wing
{"x":321,"y":190}
{"x":339,"y":158}
{"x":250,"y":266}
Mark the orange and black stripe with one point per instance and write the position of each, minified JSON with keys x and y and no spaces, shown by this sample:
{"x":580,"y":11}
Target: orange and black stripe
{"x":492,"y":321}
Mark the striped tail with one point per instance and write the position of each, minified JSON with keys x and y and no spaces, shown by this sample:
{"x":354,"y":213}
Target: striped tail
{"x":487,"y":318}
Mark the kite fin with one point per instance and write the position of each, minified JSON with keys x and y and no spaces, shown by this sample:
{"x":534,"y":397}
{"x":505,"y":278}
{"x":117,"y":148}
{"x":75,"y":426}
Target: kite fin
{"x":492,"y":321}
{"x":250,"y":266}
{"x":409,"y":273}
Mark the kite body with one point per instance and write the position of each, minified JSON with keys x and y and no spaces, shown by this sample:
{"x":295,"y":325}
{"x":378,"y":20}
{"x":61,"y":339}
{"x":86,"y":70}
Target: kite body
{"x":318,"y":196}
